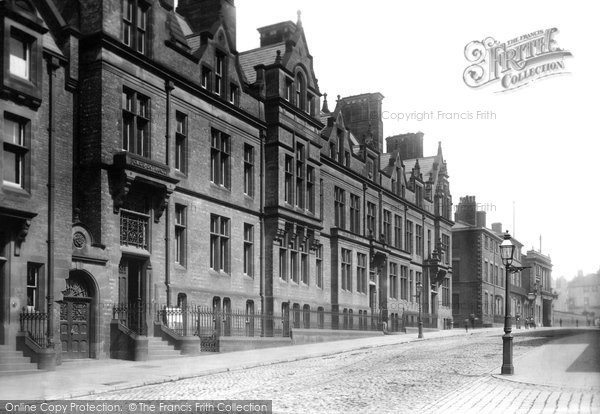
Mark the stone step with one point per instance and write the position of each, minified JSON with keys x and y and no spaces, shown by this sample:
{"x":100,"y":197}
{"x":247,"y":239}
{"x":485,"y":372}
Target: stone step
{"x":159,"y":349}
{"x":16,"y":357}
{"x":17,"y":366}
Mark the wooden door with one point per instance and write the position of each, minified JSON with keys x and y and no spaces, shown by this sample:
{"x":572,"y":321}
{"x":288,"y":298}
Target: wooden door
{"x":74,"y":328}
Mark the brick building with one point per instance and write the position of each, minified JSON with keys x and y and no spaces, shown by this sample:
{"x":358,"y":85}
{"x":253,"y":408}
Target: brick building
{"x":165,"y":168}
{"x":479,"y":277}
{"x":479,"y":286}
{"x":38,"y":83}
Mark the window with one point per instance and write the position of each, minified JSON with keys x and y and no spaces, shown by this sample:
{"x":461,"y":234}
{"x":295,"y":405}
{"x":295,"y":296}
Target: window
{"x":404,"y":282}
{"x":34,"y":271}
{"x":135,"y":222}
{"x":181,"y":142}
{"x":347,"y":270}
{"x":387,"y":226}
{"x":419,"y":240}
{"x":180,"y":234}
{"x":311,"y":104}
{"x":248,"y":249}
{"x":371,"y":217}
{"x":393,"y":280}
{"x":446,"y":248}
{"x":219,"y":73}
{"x":20,"y":56}
{"x":289,"y":176}
{"x":234,"y":94}
{"x":135,"y":25}
{"x":361,"y":272}
{"x":219,"y":159}
{"x":310,"y":188}
{"x":300,"y":92}
{"x":408,"y":243}
{"x":205,"y":78}
{"x":304,"y":265}
{"x":283,"y":263}
{"x":354,"y":213}
{"x":411,"y":285}
{"x":419,"y":195}
{"x":398,"y":232}
{"x":219,"y":243}
{"x":446,"y":292}
{"x":15,"y":150}
{"x":485,"y":240}
{"x":289,"y":88}
{"x":340,"y":208}
{"x":428,"y":243}
{"x":294,"y":265}
{"x":249,"y":170}
{"x":300,"y":175}
{"x":319,"y":259}
{"x":136,"y":123}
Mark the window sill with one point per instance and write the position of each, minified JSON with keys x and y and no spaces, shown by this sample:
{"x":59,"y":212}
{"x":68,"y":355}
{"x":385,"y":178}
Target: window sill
{"x":16,"y":189}
{"x":219,"y":273}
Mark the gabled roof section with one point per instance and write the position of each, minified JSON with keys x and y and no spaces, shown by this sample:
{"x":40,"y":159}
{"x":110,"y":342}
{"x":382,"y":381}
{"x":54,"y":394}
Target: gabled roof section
{"x":288,"y":38}
{"x":259,"y":56}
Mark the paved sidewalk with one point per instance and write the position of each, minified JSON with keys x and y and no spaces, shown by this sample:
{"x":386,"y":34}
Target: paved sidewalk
{"x":562,"y":376}
{"x":77,"y":379}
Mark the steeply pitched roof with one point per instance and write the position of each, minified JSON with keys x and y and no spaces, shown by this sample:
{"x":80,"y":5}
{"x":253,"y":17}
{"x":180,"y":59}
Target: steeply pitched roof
{"x":263,"y":55}
{"x":426,"y":165}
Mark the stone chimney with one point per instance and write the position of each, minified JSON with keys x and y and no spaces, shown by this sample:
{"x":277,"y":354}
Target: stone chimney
{"x":276,"y":33}
{"x":203,"y":14}
{"x":410,"y":145}
{"x":497,"y":228}
{"x":466,"y":210}
{"x":362,"y":115}
{"x":481,"y":218}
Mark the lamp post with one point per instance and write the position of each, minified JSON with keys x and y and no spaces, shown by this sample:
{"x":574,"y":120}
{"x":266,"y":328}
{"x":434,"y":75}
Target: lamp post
{"x":507,"y":249}
{"x":420,"y":321}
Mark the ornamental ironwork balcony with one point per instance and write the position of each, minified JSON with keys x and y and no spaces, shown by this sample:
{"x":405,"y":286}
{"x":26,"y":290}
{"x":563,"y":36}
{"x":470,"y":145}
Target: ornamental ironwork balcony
{"x":134,"y":229}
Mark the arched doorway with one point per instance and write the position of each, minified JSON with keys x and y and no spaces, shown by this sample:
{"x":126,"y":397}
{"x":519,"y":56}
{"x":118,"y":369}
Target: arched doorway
{"x":77,"y":322}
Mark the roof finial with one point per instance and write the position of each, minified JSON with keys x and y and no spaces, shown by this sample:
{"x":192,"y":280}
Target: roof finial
{"x":299,"y":23}
{"x":278,"y":57}
{"x":339,"y":97}
{"x":325,"y":107}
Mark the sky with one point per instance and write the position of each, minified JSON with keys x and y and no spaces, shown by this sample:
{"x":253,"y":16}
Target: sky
{"x":534,"y":155}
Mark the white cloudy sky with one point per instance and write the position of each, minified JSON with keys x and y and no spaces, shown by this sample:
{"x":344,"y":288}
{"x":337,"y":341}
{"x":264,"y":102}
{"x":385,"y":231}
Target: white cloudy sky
{"x":541,"y":150}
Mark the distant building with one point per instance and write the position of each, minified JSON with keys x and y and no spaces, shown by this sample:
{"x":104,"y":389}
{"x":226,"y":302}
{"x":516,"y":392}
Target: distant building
{"x":538,"y":279}
{"x":584,"y":295}
{"x":478,"y":273}
{"x":561,"y":286}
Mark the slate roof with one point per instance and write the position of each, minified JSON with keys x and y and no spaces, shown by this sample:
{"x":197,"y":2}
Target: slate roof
{"x":425,"y":163}
{"x":264,"y":55}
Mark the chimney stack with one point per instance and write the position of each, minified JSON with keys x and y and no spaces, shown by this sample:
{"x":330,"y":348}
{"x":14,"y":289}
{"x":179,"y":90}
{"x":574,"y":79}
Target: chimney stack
{"x":203,"y":14}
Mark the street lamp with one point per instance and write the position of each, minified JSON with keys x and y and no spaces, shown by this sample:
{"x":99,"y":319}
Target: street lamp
{"x":507,"y":249}
{"x":420,"y":321}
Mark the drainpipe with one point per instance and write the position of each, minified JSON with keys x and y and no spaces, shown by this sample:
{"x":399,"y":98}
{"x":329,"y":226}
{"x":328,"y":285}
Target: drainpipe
{"x":168,"y":88}
{"x":53,"y":64}
{"x":262,"y":138}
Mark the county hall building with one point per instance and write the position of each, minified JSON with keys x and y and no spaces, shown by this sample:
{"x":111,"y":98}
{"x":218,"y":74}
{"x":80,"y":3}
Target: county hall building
{"x":155,"y":178}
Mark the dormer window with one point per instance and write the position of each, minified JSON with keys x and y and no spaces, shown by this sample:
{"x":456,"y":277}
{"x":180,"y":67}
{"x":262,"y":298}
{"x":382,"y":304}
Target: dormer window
{"x":289,"y":90}
{"x":311,"y":104}
{"x":219,"y":74}
{"x":135,"y":24}
{"x":300,"y":92}
{"x":234,"y":94}
{"x":20,"y":56}
{"x":205,"y":78}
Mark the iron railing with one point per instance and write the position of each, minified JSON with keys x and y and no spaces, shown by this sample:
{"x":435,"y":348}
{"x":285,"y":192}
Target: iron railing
{"x":132,"y":316}
{"x":35,"y":324}
{"x":207,"y":322}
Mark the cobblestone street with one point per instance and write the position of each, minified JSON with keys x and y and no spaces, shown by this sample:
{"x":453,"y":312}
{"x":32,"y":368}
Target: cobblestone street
{"x":409,"y":377}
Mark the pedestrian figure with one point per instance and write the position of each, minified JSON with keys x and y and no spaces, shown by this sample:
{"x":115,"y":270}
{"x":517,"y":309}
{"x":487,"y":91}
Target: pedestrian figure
{"x":560,"y":322}
{"x":577,"y":323}
{"x":467,"y":325}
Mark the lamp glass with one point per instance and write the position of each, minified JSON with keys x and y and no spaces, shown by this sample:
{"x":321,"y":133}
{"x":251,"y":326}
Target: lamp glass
{"x":507,"y":249}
